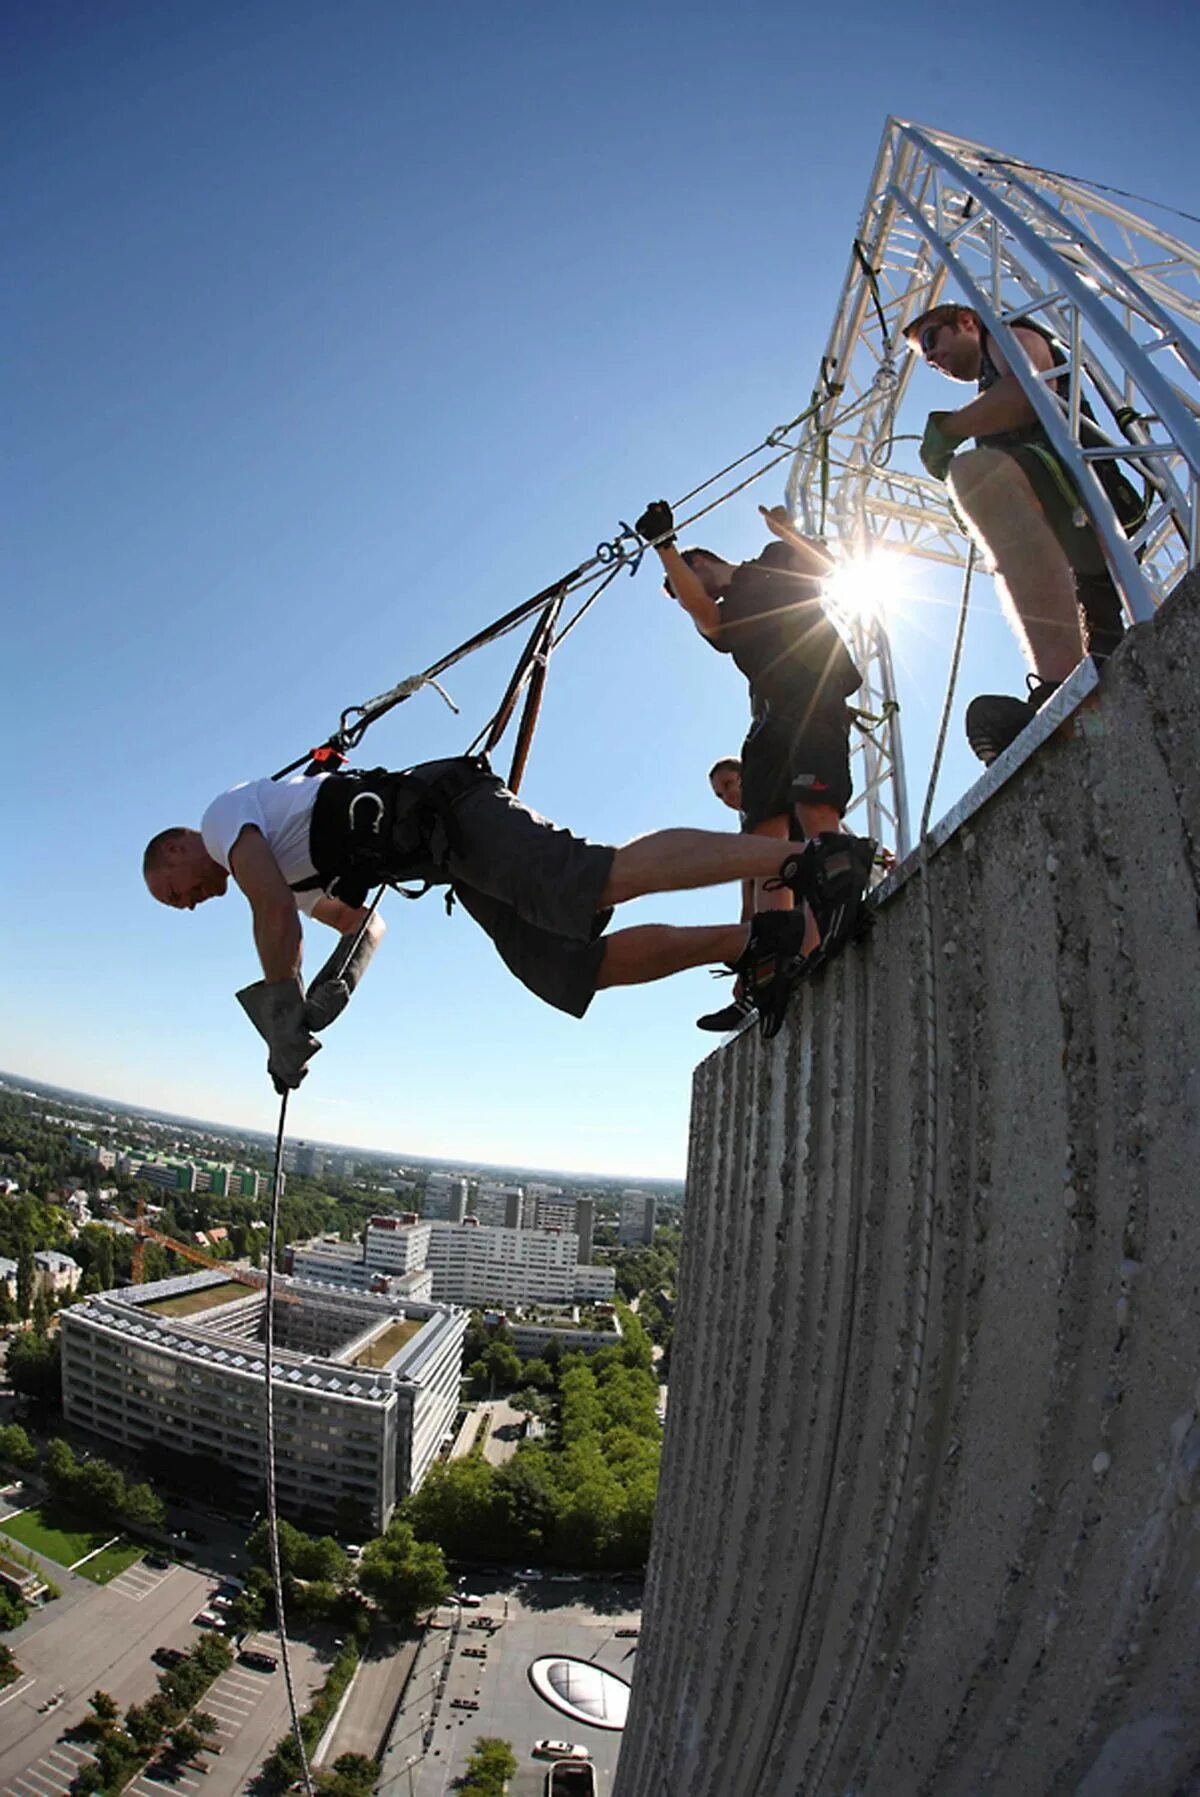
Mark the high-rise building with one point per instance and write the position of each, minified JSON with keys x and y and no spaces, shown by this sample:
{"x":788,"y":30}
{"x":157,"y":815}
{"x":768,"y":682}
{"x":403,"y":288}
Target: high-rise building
{"x":474,"y":1264}
{"x":445,"y":1198}
{"x":637,"y":1217}
{"x":552,"y":1208}
{"x":499,"y":1206}
{"x":310,"y":1161}
{"x":395,"y":1244}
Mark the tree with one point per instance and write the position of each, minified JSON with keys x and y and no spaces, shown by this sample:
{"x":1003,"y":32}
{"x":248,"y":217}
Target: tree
{"x":491,"y":1765}
{"x":104,"y":1708}
{"x":185,"y":1742}
{"x":26,"y":1279}
{"x":353,"y":1775}
{"x":143,"y":1508}
{"x":60,"y":1468}
{"x":35,"y":1366}
{"x":40,"y":1313}
{"x":16,"y":1449}
{"x":402,"y":1574}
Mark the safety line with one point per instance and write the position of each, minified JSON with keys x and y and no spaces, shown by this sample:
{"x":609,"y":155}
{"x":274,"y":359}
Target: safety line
{"x":1057,"y":174}
{"x":272,"y":1509}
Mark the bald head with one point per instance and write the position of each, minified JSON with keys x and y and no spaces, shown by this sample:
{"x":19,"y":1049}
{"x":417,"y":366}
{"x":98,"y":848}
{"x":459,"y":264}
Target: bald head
{"x":179,"y":871}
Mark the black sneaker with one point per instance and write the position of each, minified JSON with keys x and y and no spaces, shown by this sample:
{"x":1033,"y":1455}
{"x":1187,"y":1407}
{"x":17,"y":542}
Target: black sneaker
{"x":831,"y":874}
{"x":1101,"y":614}
{"x":728,"y":1019}
{"x":994,"y":720}
{"x":771,"y":964}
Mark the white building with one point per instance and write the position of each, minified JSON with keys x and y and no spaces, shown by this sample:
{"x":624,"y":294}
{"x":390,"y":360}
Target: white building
{"x":330,"y":1261}
{"x":445,"y":1198}
{"x":396,"y":1244}
{"x":637,"y":1217}
{"x":364,"y":1391}
{"x":594,"y":1284}
{"x":8,"y":1276}
{"x":499,"y":1206}
{"x":57,"y":1272}
{"x":472,"y":1264}
{"x":549,"y":1207}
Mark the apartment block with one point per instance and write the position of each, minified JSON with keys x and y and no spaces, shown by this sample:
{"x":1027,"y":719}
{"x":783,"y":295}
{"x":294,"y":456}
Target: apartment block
{"x":473,"y":1264}
{"x":445,"y":1198}
{"x":364,"y":1389}
{"x":499,"y":1206}
{"x":637,"y":1218}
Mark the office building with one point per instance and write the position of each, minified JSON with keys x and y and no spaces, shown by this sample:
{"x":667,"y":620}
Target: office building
{"x":637,"y":1218}
{"x":445,"y":1198}
{"x":365,"y":1390}
{"x":472,"y":1264}
{"x":499,"y":1206}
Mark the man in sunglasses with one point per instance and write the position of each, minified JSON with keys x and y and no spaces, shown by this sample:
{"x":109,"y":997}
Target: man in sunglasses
{"x":1023,"y":509}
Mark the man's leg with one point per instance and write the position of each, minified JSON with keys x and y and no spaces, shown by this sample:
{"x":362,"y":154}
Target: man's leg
{"x":651,"y":951}
{"x":1036,"y":582}
{"x":679,"y":860}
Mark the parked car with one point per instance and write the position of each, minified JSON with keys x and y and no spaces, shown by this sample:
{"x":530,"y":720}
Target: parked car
{"x":168,"y":1656}
{"x":207,"y":1619}
{"x":159,"y":1562}
{"x":261,"y":1662}
{"x":629,"y":1634}
{"x":560,"y":1750}
{"x":571,"y":1778}
{"x":463,"y":1703}
{"x":475,"y":1653}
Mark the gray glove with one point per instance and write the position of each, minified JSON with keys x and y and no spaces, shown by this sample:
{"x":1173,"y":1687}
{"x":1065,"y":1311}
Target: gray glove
{"x":330,"y":992}
{"x":276,"y":1009}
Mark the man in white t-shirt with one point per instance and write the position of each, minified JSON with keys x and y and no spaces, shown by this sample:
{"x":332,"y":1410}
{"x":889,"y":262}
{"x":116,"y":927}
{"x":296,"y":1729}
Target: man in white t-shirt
{"x":543,"y":895}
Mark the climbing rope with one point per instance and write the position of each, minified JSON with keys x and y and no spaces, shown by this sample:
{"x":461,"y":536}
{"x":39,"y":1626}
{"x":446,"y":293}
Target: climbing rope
{"x":272,"y":1507}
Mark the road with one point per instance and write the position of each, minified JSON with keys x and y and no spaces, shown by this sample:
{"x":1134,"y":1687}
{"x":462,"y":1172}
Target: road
{"x":432,"y":1739}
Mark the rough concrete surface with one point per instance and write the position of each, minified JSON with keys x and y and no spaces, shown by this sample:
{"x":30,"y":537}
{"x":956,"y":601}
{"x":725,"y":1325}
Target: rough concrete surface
{"x":929,"y":1520}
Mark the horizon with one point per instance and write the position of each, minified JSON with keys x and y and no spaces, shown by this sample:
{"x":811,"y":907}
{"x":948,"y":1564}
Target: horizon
{"x":22,"y":1082}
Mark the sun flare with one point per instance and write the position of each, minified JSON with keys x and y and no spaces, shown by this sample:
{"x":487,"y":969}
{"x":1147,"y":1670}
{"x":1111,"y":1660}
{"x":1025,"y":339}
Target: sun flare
{"x":867,"y":586}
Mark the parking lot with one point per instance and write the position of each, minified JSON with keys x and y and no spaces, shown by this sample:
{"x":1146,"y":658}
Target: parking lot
{"x":489,"y":1667}
{"x":102,"y":1638}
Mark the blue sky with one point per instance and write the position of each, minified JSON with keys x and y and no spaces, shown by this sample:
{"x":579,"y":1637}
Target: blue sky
{"x":340,"y":329}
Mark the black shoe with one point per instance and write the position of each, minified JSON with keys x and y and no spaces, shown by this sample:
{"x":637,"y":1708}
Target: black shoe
{"x":771,"y":964}
{"x":1101,"y":614}
{"x":728,"y":1019}
{"x":831,"y":875}
{"x":994,"y":720}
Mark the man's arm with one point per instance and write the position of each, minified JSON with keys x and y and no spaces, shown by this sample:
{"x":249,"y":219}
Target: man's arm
{"x":1004,"y":406}
{"x":277,"y":934}
{"x":686,"y":586}
{"x":345,"y":919}
{"x":812,"y":557}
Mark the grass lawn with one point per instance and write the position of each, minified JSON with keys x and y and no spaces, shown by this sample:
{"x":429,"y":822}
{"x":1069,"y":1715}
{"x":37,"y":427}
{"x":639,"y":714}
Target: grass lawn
{"x":64,"y":1540}
{"x":113,"y":1560}
{"x":188,"y":1303}
{"x":385,"y":1346}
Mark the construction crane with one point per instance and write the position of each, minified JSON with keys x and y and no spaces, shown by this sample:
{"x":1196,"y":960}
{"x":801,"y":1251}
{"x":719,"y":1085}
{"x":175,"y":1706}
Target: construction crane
{"x":144,"y":1232}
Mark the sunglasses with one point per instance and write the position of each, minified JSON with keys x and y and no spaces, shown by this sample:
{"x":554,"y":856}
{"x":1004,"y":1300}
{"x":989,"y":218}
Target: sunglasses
{"x":929,"y":337}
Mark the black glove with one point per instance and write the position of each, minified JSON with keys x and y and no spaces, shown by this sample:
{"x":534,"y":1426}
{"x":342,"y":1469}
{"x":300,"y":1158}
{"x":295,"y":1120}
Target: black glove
{"x":937,"y":449}
{"x":330,"y":992}
{"x":656,"y":521}
{"x":276,"y":1009}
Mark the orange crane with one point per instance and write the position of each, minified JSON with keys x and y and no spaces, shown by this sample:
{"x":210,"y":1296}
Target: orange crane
{"x":144,"y":1232}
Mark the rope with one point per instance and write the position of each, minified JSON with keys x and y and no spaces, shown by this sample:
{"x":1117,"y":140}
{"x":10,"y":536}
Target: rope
{"x":272,"y":1510}
{"x":1057,"y":174}
{"x":929,"y":1145}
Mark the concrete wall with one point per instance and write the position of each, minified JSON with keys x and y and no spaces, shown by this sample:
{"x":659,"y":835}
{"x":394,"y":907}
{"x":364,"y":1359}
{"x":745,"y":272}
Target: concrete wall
{"x":930,"y":1512}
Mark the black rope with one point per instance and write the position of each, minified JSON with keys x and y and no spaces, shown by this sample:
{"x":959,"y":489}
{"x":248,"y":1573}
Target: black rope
{"x":1057,"y":174}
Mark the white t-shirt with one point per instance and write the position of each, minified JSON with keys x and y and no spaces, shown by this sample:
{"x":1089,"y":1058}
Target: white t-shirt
{"x":281,"y":809}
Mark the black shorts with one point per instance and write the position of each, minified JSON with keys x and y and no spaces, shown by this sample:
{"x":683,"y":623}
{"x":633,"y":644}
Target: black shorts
{"x":535,"y":889}
{"x":796,"y":756}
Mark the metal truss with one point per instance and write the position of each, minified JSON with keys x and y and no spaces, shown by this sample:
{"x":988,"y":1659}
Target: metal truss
{"x":948,"y":218}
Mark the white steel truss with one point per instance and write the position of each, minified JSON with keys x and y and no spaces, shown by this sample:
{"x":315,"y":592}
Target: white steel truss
{"x":1117,"y":291}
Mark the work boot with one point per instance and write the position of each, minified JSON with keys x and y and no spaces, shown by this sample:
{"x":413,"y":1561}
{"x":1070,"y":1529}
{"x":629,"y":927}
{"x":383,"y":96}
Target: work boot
{"x":1101,"y":614}
{"x":770,"y":965}
{"x":720,"y":1022}
{"x":830,"y":875}
{"x":994,"y":720}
